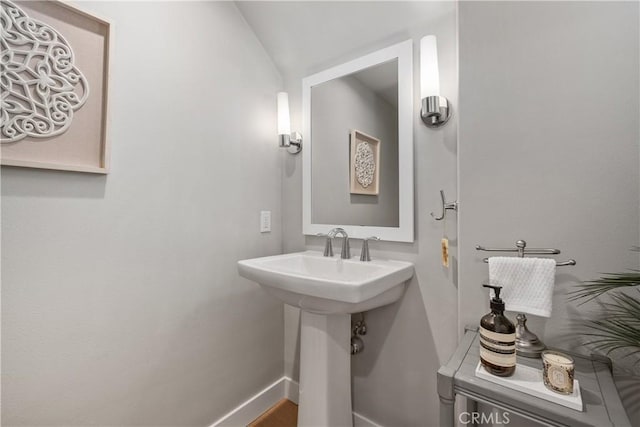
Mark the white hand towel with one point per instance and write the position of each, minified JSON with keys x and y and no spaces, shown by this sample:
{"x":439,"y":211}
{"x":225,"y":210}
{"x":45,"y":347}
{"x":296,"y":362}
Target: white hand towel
{"x":527,"y":283}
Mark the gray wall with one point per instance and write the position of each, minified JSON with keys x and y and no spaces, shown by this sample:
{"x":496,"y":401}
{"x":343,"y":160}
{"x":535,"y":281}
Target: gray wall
{"x":548,"y":144}
{"x":539,"y":160}
{"x":394,"y":380}
{"x":548,"y":141}
{"x":121,"y":304}
{"x":337,"y":108}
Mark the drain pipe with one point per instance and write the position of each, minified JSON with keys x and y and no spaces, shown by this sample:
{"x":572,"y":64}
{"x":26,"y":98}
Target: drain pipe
{"x":360,"y":328}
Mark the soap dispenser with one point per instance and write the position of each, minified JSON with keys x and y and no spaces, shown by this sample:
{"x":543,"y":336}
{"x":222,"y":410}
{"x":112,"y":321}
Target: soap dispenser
{"x":497,"y":339}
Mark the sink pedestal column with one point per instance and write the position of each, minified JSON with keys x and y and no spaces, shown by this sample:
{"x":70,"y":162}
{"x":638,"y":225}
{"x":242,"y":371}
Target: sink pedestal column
{"x":325,"y":370}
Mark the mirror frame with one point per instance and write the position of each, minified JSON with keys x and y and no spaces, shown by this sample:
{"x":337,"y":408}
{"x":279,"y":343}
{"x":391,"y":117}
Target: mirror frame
{"x":403,"y":52}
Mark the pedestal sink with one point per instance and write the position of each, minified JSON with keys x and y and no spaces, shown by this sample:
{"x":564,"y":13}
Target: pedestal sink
{"x":327,"y":290}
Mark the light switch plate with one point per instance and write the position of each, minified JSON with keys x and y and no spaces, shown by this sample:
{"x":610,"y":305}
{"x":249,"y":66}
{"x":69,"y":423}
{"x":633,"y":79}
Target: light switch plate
{"x":265,"y":221}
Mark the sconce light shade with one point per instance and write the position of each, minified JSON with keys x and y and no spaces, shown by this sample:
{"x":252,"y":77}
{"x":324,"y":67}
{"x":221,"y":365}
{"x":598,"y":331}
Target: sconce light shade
{"x":284,"y":122}
{"x":429,"y":74}
{"x":286,"y":139}
{"x":435,"y":108}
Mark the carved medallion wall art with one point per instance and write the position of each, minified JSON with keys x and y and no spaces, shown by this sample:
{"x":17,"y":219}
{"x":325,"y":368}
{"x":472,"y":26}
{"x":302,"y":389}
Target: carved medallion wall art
{"x":364,"y":164}
{"x":54,"y":64}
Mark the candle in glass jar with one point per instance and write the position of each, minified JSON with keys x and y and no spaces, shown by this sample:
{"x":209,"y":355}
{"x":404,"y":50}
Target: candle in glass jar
{"x":558,"y":371}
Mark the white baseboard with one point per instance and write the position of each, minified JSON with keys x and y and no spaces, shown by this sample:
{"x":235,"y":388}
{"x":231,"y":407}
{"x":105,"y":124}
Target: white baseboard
{"x":254,"y":407}
{"x":285,"y":387}
{"x":362,"y":421}
{"x":291,"y":390}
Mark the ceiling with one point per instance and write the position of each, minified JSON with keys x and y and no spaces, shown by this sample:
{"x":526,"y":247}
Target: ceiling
{"x":382,"y":79}
{"x":303,"y":38}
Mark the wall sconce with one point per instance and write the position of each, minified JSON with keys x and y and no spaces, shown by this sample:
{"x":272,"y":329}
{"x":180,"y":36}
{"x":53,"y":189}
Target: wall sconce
{"x":435,"y":108}
{"x":292,"y":141}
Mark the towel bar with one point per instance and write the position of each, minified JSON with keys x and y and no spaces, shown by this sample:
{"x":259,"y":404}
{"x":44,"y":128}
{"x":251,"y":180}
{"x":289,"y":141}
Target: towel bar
{"x":527,"y":343}
{"x":559,"y":264}
{"x":521,"y":249}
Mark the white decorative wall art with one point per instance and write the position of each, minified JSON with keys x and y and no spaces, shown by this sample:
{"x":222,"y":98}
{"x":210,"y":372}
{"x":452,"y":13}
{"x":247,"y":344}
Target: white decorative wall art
{"x":364,"y":164}
{"x":51,"y":55}
{"x":41,"y":84}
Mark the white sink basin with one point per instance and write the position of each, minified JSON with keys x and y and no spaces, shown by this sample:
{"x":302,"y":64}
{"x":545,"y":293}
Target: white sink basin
{"x":327,"y":290}
{"x":326,"y":285}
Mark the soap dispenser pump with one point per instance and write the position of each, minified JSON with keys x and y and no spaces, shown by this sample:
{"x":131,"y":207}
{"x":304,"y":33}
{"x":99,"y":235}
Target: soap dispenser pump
{"x":497,"y":338}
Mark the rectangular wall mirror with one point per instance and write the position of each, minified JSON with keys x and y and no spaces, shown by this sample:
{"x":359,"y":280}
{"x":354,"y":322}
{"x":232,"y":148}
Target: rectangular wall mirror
{"x":358,"y":158}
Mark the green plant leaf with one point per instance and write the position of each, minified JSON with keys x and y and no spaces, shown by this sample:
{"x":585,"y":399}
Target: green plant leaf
{"x":619,"y":329}
{"x":590,"y":290}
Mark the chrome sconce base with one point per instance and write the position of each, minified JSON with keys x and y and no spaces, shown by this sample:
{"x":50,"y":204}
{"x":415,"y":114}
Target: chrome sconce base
{"x":435,"y":111}
{"x":293,"y":142}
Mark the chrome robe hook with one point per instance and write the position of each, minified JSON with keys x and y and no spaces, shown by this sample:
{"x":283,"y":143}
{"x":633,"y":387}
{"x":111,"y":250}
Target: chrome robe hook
{"x":445,"y":206}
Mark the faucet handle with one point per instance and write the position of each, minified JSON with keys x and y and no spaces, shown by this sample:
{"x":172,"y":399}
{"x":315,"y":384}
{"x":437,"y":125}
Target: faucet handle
{"x":364,"y":254}
{"x":328,"y":247}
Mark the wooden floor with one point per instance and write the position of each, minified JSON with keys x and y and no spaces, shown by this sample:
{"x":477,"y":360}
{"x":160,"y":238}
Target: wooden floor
{"x":282,"y":414}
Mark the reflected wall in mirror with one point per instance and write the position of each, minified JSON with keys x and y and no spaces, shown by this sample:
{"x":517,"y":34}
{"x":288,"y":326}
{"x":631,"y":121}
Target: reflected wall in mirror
{"x":354,"y":126}
{"x":358,"y":170}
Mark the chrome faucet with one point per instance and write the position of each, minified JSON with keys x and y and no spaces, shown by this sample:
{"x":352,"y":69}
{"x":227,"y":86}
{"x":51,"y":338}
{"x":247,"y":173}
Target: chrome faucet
{"x":328,"y":247}
{"x":364,"y":255}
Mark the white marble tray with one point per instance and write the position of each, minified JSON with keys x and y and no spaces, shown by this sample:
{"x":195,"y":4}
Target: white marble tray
{"x":529,"y":380}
